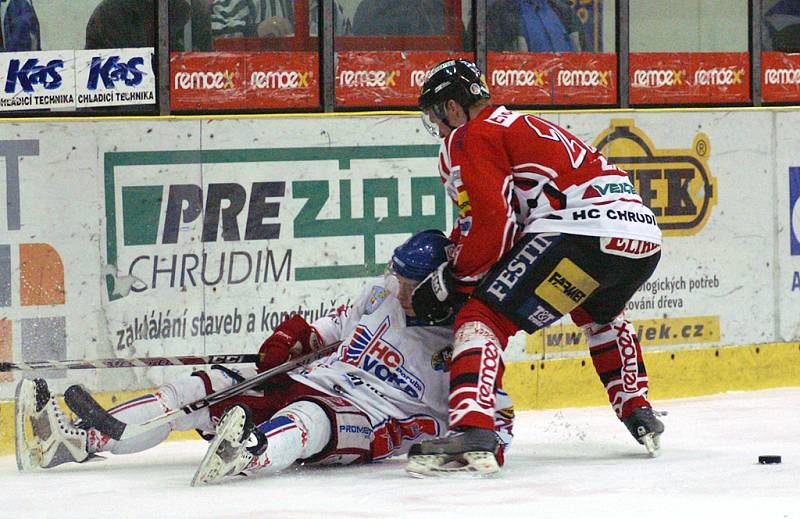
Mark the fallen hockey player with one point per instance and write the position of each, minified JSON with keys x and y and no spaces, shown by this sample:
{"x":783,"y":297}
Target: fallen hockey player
{"x":384,"y":388}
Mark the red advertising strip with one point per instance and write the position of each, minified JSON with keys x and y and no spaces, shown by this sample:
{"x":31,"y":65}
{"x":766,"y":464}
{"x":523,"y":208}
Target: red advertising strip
{"x":583,"y":78}
{"x":518,"y":78}
{"x":376,"y":78}
{"x":244,"y":80}
{"x":580,"y":78}
{"x":689,"y":77}
{"x":780,"y":76}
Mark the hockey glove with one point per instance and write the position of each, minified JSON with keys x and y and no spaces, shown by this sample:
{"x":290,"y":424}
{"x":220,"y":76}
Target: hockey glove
{"x":435,"y":297}
{"x":292,"y":338}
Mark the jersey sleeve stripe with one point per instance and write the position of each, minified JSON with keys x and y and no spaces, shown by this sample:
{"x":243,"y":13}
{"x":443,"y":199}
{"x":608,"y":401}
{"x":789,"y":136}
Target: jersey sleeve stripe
{"x":509,"y":231}
{"x":532,"y":167}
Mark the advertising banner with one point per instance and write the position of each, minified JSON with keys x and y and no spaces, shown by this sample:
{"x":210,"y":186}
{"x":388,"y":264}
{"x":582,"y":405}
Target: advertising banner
{"x":373,"y":78}
{"x":113,"y":77}
{"x":582,"y":78}
{"x":780,"y":77}
{"x":787,"y":208}
{"x":37,"y":80}
{"x":244,"y":80}
{"x":223,"y":242}
{"x":689,"y":77}
{"x":77,"y":79}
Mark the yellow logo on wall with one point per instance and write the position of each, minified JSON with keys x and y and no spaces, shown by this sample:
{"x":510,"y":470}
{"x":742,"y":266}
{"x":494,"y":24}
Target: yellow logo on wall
{"x":675,"y":183}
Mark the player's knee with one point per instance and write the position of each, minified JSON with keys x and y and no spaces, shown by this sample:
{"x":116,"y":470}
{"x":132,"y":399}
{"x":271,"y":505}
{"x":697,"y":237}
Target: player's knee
{"x":180,"y":392}
{"x":473,"y":334}
{"x":475,"y":311}
{"x":349,"y":430}
{"x":314,"y":423}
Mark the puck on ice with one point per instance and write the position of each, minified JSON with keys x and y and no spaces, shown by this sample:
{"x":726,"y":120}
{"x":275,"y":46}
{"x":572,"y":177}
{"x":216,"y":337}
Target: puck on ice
{"x":769,"y":460}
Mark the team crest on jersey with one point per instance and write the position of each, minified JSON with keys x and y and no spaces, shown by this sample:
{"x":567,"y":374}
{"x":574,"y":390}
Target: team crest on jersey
{"x":376,"y":298}
{"x":370,"y":351}
{"x":440,"y":361}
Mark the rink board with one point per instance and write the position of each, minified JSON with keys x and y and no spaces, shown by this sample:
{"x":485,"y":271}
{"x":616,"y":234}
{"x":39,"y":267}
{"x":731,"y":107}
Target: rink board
{"x":183,"y":236}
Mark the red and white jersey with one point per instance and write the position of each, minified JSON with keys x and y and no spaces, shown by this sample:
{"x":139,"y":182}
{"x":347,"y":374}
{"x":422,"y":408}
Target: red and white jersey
{"x":393,"y":368}
{"x":511,"y":173}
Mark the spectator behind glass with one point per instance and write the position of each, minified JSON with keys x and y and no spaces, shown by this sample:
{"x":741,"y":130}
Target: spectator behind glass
{"x":399,"y":18}
{"x":119,"y":24}
{"x":265,"y":18}
{"x":19,"y":29}
{"x":533,"y":26}
{"x":201,"y":26}
{"x":781,"y":25}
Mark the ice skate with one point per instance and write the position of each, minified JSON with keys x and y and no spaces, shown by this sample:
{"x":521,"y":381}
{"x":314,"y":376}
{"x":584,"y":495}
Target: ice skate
{"x":470,"y":452}
{"x":646,"y":428}
{"x":228,"y":453}
{"x":45,"y":437}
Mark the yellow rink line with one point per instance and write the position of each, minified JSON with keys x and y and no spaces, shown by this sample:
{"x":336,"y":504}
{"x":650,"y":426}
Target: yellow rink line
{"x":574,"y":383}
{"x":381,"y":113}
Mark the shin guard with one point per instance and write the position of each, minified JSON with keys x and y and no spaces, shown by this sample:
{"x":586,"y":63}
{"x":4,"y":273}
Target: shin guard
{"x":476,"y":369}
{"x":617,"y":358}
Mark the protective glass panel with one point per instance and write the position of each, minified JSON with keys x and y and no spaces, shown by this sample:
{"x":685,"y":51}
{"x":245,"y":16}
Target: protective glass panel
{"x":552,"y":52}
{"x":393,"y":43}
{"x":689,"y":51}
{"x":780,"y":42}
{"x":248,"y":55}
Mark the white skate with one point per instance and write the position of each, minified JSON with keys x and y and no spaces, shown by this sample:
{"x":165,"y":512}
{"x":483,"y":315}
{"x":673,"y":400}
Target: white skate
{"x":228,"y":454}
{"x":468,"y":453}
{"x":45,"y":437}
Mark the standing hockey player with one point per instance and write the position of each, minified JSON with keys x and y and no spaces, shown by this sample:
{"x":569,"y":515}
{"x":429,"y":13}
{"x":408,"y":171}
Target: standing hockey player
{"x":385,"y":387}
{"x":547,"y":227}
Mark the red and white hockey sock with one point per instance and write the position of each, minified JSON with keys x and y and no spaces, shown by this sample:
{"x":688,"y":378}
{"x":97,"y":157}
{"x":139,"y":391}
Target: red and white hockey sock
{"x":477,"y":366}
{"x":139,"y":410}
{"x":617,"y":358}
{"x":298,"y":431}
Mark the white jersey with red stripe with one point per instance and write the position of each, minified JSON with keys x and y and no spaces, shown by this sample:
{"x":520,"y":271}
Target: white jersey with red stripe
{"x":393,"y":368}
{"x":511,"y":173}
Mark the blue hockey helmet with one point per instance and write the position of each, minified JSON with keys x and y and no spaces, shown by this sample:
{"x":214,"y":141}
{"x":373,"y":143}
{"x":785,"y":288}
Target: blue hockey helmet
{"x":419,"y":255}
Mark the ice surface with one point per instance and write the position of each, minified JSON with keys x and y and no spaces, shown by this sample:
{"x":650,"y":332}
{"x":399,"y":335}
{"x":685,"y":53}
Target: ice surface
{"x":570,"y":463}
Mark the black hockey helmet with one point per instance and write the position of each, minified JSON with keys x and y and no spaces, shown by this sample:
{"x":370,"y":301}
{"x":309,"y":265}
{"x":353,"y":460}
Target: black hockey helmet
{"x":456,"y":79}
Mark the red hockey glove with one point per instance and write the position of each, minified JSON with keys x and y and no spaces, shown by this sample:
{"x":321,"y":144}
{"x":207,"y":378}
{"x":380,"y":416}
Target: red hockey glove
{"x":292,"y":338}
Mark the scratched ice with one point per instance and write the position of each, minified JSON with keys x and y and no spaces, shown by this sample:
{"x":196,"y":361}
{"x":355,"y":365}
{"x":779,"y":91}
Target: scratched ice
{"x":571,"y":463}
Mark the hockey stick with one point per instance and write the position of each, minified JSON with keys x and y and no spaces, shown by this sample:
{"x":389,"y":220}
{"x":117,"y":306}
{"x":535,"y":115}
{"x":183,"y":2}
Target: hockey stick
{"x":89,"y":411}
{"x":136,"y":362}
